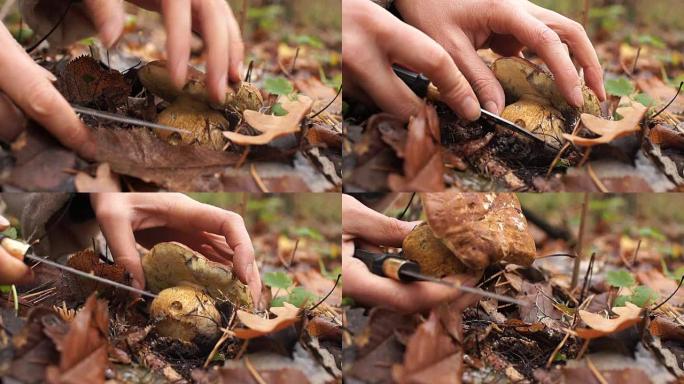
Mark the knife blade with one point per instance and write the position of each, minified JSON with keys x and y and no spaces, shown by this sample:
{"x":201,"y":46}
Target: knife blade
{"x":24,"y":251}
{"x":422,"y":87}
{"x":124,"y":119}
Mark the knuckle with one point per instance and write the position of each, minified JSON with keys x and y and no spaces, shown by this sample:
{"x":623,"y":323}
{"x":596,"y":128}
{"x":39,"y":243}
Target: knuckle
{"x":577,"y":28}
{"x":441,"y":61}
{"x":546,"y":37}
{"x":41,"y":99}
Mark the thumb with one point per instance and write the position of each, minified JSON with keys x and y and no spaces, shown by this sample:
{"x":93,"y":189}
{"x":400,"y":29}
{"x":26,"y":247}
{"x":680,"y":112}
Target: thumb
{"x":4,"y":223}
{"x":374,"y":227}
{"x":108,"y":17}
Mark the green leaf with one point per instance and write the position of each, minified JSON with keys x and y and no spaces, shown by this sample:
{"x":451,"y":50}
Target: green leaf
{"x":278,"y":110}
{"x":620,"y":301}
{"x":620,"y":278}
{"x":619,"y":87}
{"x":651,"y":40}
{"x":652,"y":233}
{"x":309,"y":40}
{"x":278,"y":86}
{"x":277,"y":280}
{"x":278,"y":301}
{"x":560,"y":357}
{"x":308,"y":232}
{"x":645,"y":99}
{"x":5,"y":288}
{"x":643,"y":296}
{"x":676,"y":274}
{"x":300,"y":297}
{"x":10,"y":232}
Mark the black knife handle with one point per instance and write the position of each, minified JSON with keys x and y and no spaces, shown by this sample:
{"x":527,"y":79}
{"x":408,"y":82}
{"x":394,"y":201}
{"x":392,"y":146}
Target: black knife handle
{"x":15,"y":248}
{"x":388,"y":265}
{"x":417,"y":82}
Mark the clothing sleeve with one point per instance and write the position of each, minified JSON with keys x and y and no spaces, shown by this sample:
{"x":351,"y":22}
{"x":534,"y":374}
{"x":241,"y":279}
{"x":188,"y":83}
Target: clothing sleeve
{"x":43,"y":15}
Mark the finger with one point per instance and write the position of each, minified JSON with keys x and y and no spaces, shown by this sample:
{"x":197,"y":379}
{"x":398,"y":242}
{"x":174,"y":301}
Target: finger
{"x":388,"y":293}
{"x":33,"y":93}
{"x":547,"y":44}
{"x":215,"y":34}
{"x":481,"y":78}
{"x":218,"y":243}
{"x":374,"y":227}
{"x":434,"y":62}
{"x":178,"y":26}
{"x":121,"y":241}
{"x":108,"y":17}
{"x":4,"y":223}
{"x":12,"y":120}
{"x":12,"y":270}
{"x":574,"y":35}
{"x":208,"y":251}
{"x":236,"y":48}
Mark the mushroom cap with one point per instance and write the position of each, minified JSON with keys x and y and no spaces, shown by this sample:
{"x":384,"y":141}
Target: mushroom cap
{"x":204,"y":125}
{"x":480,"y":228}
{"x":543,"y":120}
{"x":186,"y":313}
{"x":434,"y":258}
{"x":156,"y":78}
{"x":522,"y":79}
{"x":172,"y":264}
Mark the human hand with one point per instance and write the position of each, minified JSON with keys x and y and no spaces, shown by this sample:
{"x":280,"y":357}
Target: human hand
{"x":26,"y":88}
{"x":12,"y":269}
{"x":373,"y":40}
{"x":215,"y":21}
{"x":506,"y":26}
{"x":361,"y":224}
{"x":218,"y":234}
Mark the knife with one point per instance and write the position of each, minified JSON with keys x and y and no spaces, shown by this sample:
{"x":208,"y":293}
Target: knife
{"x":124,"y":119}
{"x":401,"y":269}
{"x":24,"y":251}
{"x":422,"y":87}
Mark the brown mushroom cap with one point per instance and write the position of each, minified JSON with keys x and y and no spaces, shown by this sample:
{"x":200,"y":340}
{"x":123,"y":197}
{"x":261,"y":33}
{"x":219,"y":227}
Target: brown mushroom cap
{"x":172,"y":264}
{"x":204,"y":125}
{"x":186,"y":313}
{"x":155,"y":77}
{"x":543,"y":120}
{"x":522,"y":79}
{"x":480,"y":228}
{"x":434,"y":258}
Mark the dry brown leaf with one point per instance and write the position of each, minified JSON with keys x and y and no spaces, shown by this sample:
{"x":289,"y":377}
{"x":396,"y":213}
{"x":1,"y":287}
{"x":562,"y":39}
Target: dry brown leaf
{"x":600,"y":326}
{"x":104,"y":181}
{"x":85,"y":81}
{"x":423,"y":164}
{"x":662,"y":93}
{"x":257,"y":326}
{"x":611,"y":130}
{"x":273,"y":126}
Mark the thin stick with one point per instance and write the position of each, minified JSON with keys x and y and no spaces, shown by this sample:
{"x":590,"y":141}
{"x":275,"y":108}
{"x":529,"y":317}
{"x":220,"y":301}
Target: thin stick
{"x":671,"y":101}
{"x":401,"y":215}
{"x":257,"y":179}
{"x":580,"y":238}
{"x":594,"y":177}
{"x":294,"y":60}
{"x":257,"y":377}
{"x":596,"y":372}
{"x":292,"y":255}
{"x":339,"y":91}
{"x":671,"y":295}
{"x":636,"y":252}
{"x":636,"y":59}
{"x":558,"y":348}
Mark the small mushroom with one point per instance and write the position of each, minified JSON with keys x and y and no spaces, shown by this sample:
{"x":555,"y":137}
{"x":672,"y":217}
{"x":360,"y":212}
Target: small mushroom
{"x":478,"y":229}
{"x":190,"y":107}
{"x":188,"y":285}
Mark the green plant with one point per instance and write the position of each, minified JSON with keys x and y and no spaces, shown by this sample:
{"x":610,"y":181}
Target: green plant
{"x":296,"y":296}
{"x":641,"y":295}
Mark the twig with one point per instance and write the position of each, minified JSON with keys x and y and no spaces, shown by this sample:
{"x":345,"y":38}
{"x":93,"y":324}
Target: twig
{"x":339,"y":91}
{"x":557,"y":159}
{"x":294,"y":60}
{"x":556,"y":232}
{"x":257,"y":377}
{"x":401,"y":215}
{"x":558,"y":348}
{"x":599,"y":184}
{"x":636,"y":252}
{"x":671,"y":101}
{"x":671,"y":295}
{"x":580,"y":238}
{"x":636,"y":59}
{"x":257,"y":179}
{"x":587,"y":277}
{"x":328,"y":295}
{"x":52,"y":30}
{"x":243,"y":157}
{"x":250,"y":66}
{"x":596,"y":372}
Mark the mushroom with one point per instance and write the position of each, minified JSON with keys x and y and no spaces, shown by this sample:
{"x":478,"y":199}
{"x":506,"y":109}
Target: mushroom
{"x":190,"y":107}
{"x":478,"y":229}
{"x":188,"y":285}
{"x":534,"y":102}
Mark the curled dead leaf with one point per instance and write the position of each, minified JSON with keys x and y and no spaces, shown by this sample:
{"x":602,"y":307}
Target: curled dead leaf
{"x":600,"y":326}
{"x":273,"y":126}
{"x":258,"y":326}
{"x":607,"y":130}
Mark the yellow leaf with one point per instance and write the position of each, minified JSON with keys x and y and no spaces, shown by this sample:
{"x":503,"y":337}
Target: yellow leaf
{"x":258,"y":326}
{"x":600,"y":326}
{"x":273,"y":126}
{"x":610,"y":130}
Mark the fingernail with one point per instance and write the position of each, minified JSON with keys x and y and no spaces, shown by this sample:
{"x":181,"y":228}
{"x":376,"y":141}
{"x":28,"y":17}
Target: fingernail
{"x":247,"y":272}
{"x":577,"y":98}
{"x":108,"y":34}
{"x":4,"y":222}
{"x":471,"y":108}
{"x":491,"y":107}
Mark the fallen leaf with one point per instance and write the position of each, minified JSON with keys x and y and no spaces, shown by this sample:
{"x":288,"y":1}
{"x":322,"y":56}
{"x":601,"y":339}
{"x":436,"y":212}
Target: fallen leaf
{"x":600,"y":326}
{"x":321,"y":93}
{"x":662,"y":92}
{"x":257,"y":326}
{"x":423,"y":164}
{"x":611,"y":130}
{"x":273,"y":126}
{"x":104,"y":181}
{"x":85,"y":81}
